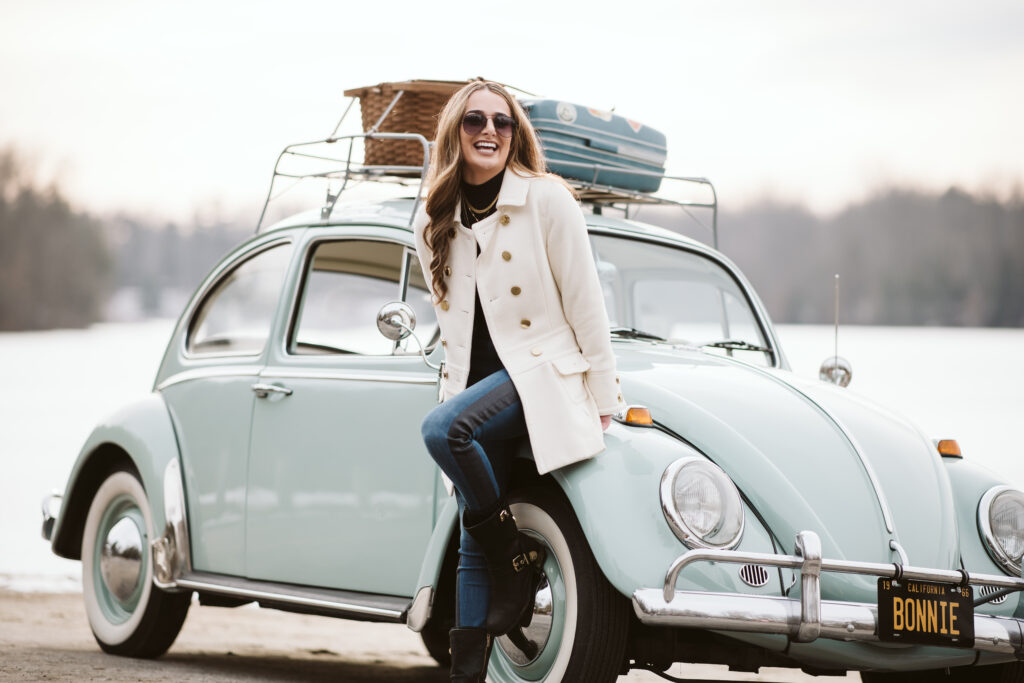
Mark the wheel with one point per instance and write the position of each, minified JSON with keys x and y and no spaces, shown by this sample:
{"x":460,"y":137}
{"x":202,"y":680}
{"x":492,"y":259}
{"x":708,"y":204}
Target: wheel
{"x":127,"y":613}
{"x":1011,"y":672}
{"x":435,"y":638}
{"x":580,"y":623}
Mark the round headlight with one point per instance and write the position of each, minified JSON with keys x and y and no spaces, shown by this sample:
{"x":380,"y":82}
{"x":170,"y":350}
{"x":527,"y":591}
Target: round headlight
{"x":701,"y":504}
{"x":1001,"y":521}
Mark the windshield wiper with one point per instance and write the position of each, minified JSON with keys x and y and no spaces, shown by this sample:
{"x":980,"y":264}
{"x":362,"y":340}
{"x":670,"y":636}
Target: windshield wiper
{"x":633,"y":333}
{"x":735,"y":345}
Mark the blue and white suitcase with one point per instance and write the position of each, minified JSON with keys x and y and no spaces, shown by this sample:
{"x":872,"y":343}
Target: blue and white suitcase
{"x":576,"y":137}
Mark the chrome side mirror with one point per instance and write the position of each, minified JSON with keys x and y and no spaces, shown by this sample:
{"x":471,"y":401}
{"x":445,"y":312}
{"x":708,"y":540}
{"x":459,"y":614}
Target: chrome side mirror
{"x":837,"y":370}
{"x":396,"y":320}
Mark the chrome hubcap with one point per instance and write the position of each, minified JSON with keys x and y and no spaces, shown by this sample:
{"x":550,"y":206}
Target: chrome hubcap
{"x":121,"y":560}
{"x":537,"y":632}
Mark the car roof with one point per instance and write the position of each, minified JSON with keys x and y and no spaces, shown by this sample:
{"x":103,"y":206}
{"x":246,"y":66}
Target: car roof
{"x":396,"y":213}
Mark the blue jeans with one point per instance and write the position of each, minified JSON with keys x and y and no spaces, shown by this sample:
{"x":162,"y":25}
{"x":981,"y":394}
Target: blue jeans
{"x":469,"y":437}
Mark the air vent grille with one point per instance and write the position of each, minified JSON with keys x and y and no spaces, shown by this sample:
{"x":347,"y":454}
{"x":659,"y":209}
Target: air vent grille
{"x":989,"y":590}
{"x":754,"y":575}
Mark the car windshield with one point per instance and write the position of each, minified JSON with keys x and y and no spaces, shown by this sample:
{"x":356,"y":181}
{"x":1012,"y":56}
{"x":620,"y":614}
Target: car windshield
{"x":656,"y":291}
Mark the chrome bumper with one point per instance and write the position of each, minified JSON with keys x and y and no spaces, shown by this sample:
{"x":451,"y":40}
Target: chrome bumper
{"x":809,"y":618}
{"x":51,"y":508}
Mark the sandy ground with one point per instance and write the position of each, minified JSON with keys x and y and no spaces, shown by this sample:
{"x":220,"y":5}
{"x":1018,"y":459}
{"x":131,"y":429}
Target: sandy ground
{"x":45,"y":637}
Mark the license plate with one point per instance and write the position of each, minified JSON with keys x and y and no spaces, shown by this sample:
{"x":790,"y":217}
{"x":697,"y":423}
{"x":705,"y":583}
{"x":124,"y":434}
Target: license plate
{"x":926,"y":613}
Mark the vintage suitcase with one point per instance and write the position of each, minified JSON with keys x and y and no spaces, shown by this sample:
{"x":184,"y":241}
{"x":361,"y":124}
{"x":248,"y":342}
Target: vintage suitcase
{"x":573,"y":135}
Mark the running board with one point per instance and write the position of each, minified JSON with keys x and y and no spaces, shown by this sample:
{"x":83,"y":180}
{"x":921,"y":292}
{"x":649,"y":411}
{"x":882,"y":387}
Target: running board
{"x":289,"y":597}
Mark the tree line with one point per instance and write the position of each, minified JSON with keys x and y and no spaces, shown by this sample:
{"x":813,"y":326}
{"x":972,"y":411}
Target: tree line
{"x":905,"y":258}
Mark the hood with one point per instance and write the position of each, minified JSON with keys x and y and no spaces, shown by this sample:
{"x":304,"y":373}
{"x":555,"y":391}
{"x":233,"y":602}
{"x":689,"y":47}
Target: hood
{"x":800,"y":452}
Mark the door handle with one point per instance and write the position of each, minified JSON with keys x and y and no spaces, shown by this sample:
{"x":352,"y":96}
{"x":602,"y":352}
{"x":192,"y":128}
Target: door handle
{"x":264,"y":390}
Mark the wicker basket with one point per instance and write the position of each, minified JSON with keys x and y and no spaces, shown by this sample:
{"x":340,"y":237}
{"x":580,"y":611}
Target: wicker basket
{"x":416,"y":112}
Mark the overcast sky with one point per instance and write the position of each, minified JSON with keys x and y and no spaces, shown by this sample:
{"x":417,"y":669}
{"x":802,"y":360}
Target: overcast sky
{"x":171,"y":108}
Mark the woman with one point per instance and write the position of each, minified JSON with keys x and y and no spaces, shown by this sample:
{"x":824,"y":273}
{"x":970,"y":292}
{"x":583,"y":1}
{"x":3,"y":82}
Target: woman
{"x":527,"y":349}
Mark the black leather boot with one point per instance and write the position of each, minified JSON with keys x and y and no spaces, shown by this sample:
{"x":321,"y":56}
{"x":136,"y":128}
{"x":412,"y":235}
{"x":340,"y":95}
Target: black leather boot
{"x":514,"y":563}
{"x":471,"y":648}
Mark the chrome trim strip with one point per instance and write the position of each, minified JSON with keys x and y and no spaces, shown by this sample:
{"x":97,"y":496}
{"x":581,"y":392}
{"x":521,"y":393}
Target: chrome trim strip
{"x":771,"y":614}
{"x":419,"y":612}
{"x":210,"y":371}
{"x":294,"y":373}
{"x":260,"y":591}
{"x":992,"y":545}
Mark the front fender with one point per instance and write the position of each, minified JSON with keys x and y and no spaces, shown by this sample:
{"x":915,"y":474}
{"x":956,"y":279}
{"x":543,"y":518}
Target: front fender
{"x":140,"y":434}
{"x":970,"y":482}
{"x":617,"y":501}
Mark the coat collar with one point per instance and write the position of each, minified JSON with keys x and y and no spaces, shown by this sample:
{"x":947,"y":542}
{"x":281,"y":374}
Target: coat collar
{"x":512,"y":193}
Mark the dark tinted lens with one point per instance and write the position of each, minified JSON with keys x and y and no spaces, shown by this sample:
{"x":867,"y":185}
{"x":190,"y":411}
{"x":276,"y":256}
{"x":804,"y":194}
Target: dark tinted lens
{"x":504,"y":125}
{"x":474,"y":122}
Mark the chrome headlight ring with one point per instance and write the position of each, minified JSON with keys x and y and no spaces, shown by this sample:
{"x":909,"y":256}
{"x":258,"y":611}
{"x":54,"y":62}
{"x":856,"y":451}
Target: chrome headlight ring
{"x":702,"y":504}
{"x":1001,"y":523}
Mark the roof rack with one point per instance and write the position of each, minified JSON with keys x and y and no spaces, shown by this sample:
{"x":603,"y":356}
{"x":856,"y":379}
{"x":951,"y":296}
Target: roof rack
{"x":340,"y":166}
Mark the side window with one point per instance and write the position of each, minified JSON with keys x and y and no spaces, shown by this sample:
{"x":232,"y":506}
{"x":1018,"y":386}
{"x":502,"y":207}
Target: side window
{"x":345,"y":284}
{"x":236,"y":316}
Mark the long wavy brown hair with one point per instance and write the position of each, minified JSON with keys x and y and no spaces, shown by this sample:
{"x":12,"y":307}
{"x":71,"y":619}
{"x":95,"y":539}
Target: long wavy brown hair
{"x":446,"y":166}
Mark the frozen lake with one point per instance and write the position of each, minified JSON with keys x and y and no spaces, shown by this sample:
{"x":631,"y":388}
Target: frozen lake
{"x":954,"y":382}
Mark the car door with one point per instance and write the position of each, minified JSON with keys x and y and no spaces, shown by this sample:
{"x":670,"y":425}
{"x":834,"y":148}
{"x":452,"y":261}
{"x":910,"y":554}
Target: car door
{"x":341,"y":490}
{"x":210,"y":398}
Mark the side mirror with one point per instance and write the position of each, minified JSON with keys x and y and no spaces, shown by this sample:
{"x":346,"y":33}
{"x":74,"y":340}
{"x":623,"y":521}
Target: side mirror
{"x":837,"y":370}
{"x":396,"y":320}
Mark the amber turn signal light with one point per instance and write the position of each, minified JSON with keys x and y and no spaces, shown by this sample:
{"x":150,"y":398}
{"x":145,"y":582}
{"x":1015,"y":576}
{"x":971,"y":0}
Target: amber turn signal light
{"x":949,"y":447}
{"x":638,"y":415}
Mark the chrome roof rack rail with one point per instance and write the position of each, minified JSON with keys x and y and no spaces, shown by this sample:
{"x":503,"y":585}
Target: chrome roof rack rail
{"x":349,"y":170}
{"x":600,"y":195}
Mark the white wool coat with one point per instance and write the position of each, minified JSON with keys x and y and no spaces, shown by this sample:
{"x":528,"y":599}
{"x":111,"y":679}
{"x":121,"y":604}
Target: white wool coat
{"x":542,"y":300}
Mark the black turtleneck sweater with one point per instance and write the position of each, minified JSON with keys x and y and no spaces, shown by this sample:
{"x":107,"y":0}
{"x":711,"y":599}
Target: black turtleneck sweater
{"x":483,"y":359}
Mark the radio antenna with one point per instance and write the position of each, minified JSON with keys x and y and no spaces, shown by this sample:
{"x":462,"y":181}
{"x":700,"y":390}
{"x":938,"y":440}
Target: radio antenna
{"x":835,"y":351}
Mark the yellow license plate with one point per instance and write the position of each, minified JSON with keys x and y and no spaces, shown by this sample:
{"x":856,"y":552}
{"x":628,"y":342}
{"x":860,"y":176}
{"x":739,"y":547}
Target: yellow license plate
{"x":926,"y":613}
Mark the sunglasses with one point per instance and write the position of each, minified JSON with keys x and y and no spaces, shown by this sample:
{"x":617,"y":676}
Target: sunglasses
{"x":475,"y":121}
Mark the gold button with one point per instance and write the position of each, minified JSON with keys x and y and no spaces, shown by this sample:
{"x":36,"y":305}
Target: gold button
{"x":446,"y":374}
{"x":444,"y":342}
{"x":516,"y":291}
{"x":444,"y":305}
{"x":616,"y":380}
{"x":620,"y":398}
{"x":536,"y":351}
{"x":504,"y":219}
{"x":447,"y":270}
{"x":524,"y":323}
{"x":507,"y":256}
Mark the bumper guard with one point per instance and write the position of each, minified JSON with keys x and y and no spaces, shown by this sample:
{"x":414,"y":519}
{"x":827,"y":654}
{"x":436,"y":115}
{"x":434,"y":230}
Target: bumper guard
{"x":810,"y":618}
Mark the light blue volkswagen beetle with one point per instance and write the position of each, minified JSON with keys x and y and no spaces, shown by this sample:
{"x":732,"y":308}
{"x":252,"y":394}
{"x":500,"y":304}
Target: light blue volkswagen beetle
{"x":740,"y":514}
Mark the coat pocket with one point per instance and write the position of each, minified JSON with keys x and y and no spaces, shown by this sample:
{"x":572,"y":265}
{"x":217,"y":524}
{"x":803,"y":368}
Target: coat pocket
{"x":570,"y":369}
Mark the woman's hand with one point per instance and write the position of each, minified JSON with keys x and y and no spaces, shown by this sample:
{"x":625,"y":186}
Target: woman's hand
{"x":606,"y":421}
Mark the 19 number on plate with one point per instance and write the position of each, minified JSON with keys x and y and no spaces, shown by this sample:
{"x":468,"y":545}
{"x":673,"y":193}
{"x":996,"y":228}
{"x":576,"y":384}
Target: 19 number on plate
{"x":926,"y":613}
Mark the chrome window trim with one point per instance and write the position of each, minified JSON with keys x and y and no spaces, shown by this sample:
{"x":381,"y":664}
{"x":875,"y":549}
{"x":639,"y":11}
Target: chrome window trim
{"x":753,"y":301}
{"x":212,"y":280}
{"x":675,"y":521}
{"x":288,"y":372}
{"x":308,"y":249}
{"x":992,"y":545}
{"x":210,"y":371}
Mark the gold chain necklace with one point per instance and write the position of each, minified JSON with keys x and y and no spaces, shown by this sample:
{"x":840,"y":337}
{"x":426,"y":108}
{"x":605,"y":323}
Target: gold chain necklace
{"x":478,"y":212}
